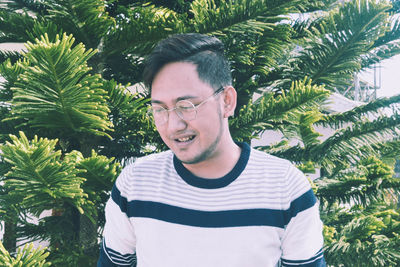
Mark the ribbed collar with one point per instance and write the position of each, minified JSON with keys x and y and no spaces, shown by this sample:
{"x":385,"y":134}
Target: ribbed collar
{"x":196,"y":181}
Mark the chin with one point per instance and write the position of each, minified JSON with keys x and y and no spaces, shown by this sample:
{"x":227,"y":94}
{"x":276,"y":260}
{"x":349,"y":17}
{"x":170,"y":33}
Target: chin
{"x":195,"y":158}
{"x":187,"y":160}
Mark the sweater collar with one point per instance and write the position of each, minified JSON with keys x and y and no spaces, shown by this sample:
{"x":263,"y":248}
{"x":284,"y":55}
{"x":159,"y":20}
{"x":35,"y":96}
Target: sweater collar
{"x":196,"y":181}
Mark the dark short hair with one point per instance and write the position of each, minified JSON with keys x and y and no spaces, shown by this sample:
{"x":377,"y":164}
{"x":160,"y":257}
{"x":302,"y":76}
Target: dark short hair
{"x":206,"y":52}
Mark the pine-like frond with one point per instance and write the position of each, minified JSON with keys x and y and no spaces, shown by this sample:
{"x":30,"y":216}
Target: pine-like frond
{"x":392,"y":34}
{"x":390,"y":149}
{"x":86,"y":20}
{"x":132,"y":126}
{"x":385,"y":47}
{"x":119,"y":97}
{"x":354,"y":190}
{"x":313,"y":6}
{"x":305,"y":28}
{"x":369,"y":110}
{"x":6,"y":127}
{"x":362,"y":244}
{"x":253,"y":56}
{"x":43,"y":27}
{"x":140,"y":28}
{"x":25,"y":256}
{"x":294,"y":153}
{"x":33,"y":6}
{"x":100,"y":173}
{"x":206,"y":16}
{"x":273,"y":112}
{"x":56,"y":91}
{"x":306,"y":131}
{"x":369,"y":182}
{"x":380,"y":53}
{"x":348,"y":145}
{"x":332,"y":57}
{"x":341,"y":150}
{"x":38,"y":178}
{"x":13,"y":26}
{"x":242,"y":16}
{"x":10,"y":73}
{"x":4,"y":205}
{"x":11,"y":55}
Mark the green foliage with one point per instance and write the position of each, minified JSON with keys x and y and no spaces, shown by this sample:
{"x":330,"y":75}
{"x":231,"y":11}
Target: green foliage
{"x":337,"y":45}
{"x":38,"y":179}
{"x":238,"y":16}
{"x":99,"y":173}
{"x":10,"y":72}
{"x":364,"y":233}
{"x":71,"y":87}
{"x":56,"y":84}
{"x":141,"y":27}
{"x":346,"y":146}
{"x":360,"y":113}
{"x":396,"y":6}
{"x":25,"y":257}
{"x":132,"y":126}
{"x":370,"y":181}
{"x":14,"y":26}
{"x":43,"y":178}
{"x":4,"y":55}
{"x":86,"y":20}
{"x":369,"y":239}
{"x":349,"y":145}
{"x":307,"y":167}
{"x":278,"y":112}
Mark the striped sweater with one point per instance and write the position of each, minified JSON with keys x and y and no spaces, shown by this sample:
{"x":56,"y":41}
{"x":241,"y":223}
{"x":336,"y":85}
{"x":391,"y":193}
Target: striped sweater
{"x":262,"y":213}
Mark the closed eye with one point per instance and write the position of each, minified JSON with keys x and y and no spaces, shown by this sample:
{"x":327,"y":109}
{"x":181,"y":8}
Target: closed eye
{"x":158,"y":109}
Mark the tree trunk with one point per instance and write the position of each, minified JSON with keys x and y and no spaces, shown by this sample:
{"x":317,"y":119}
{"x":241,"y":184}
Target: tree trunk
{"x":10,"y":233}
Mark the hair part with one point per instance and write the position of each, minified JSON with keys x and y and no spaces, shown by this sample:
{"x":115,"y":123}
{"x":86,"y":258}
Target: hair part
{"x":205,"y":52}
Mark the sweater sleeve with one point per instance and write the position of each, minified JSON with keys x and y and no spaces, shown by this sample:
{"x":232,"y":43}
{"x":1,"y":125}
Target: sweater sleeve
{"x":303,"y":240}
{"x":119,"y":241}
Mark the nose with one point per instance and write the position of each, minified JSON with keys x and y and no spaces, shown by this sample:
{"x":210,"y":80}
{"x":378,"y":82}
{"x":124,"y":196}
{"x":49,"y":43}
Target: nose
{"x":175,"y":123}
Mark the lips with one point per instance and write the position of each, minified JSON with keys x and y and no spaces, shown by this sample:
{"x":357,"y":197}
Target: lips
{"x":184,"y":139}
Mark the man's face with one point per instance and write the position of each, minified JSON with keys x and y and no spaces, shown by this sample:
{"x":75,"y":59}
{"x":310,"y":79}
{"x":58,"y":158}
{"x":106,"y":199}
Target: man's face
{"x":196,"y":140}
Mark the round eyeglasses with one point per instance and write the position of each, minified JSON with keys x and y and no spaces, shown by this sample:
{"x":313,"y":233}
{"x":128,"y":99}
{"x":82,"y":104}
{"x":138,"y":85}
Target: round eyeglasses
{"x":185,"y":109}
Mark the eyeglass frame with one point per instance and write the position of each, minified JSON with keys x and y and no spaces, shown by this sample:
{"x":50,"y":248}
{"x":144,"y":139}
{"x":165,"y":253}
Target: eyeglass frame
{"x":195,"y":107}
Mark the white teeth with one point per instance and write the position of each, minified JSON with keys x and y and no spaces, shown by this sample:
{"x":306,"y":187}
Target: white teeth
{"x":185,"y":139}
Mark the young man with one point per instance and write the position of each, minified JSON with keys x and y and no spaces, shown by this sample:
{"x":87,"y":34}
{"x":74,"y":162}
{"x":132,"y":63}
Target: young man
{"x":208,"y":201}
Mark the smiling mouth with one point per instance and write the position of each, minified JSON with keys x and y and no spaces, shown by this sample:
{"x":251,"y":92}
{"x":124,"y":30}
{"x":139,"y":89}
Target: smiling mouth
{"x":185,"y":139}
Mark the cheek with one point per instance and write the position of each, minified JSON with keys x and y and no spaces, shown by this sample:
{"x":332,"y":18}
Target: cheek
{"x":162,"y":132}
{"x":210,"y":125}
{"x":211,"y":115}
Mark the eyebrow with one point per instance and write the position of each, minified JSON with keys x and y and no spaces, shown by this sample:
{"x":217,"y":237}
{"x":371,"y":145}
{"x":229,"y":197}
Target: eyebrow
{"x":185,"y":97}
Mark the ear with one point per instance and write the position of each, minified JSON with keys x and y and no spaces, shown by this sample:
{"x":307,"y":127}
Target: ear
{"x":230,"y":98}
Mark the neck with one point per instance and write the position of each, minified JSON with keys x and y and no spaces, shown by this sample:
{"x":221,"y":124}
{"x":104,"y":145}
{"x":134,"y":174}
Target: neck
{"x":220,"y":164}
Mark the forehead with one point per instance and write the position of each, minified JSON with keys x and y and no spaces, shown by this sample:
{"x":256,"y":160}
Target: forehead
{"x":178,"y":80}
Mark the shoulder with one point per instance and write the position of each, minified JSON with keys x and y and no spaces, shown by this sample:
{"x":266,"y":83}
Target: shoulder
{"x":142,"y":166}
{"x":151,"y":160}
{"x":282,"y":170}
{"x":264,"y":156}
{"x":269,"y":163}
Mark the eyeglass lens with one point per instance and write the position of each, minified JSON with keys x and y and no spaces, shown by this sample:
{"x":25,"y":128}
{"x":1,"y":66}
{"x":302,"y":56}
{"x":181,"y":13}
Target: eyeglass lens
{"x":184,"y":109}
